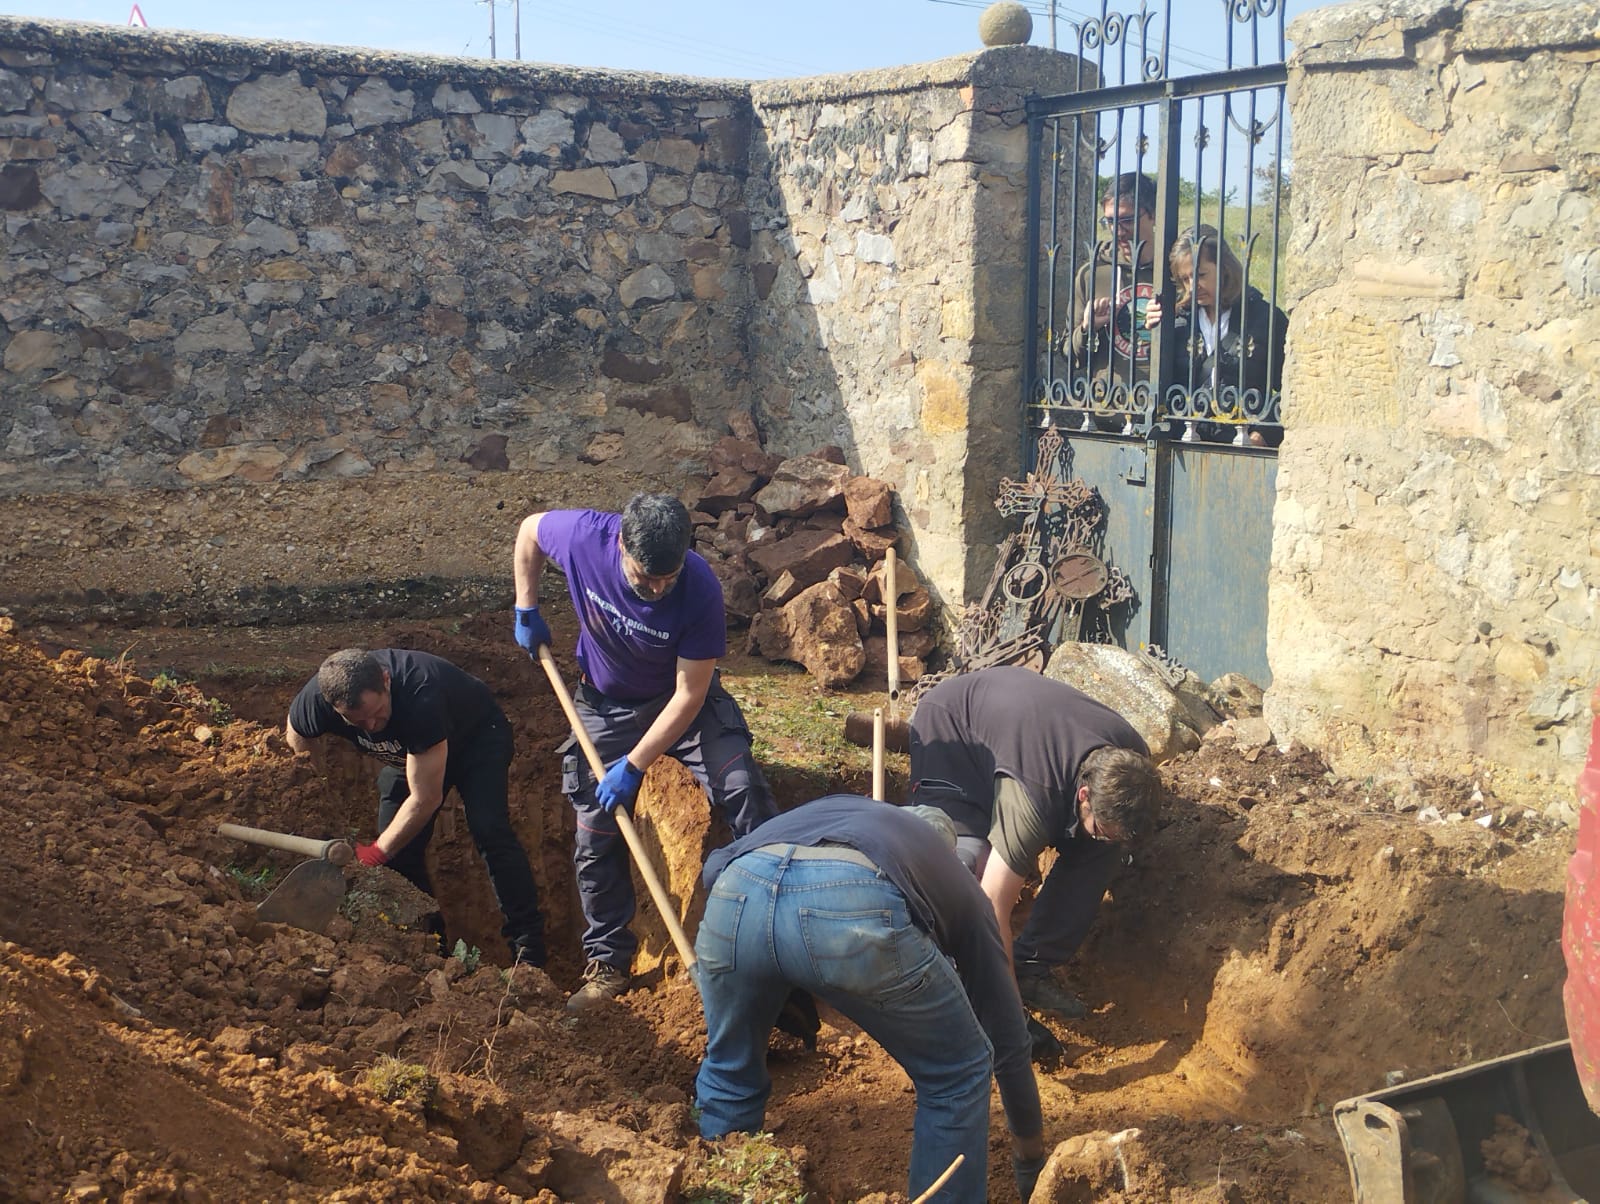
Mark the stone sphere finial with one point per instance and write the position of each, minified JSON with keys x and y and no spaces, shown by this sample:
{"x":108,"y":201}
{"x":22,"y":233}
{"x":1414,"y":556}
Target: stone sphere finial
{"x":1005,"y":23}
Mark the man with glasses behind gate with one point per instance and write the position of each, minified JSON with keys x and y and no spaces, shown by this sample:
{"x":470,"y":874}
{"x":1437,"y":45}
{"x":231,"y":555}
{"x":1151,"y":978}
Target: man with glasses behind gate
{"x":1109,"y":344}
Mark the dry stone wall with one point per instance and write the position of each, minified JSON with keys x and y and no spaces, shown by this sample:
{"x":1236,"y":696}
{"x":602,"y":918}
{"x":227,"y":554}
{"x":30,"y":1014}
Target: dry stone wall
{"x":889,"y":273}
{"x":280,"y":316}
{"x":1435,"y":572}
{"x":289,"y":327}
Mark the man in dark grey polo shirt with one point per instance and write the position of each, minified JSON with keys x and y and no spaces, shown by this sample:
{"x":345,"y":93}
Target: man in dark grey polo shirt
{"x":1022,"y":763}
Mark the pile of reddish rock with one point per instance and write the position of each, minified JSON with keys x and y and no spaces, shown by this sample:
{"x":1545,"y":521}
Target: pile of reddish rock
{"x":799,"y":546}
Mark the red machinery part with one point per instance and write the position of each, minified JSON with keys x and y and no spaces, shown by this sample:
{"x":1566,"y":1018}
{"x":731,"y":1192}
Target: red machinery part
{"x":1580,"y":931}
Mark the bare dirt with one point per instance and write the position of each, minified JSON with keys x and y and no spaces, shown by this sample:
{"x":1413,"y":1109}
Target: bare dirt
{"x":1282,"y":942}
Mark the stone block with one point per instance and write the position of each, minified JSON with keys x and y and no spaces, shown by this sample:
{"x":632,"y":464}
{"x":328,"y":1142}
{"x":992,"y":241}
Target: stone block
{"x":850,"y":581}
{"x":727,"y":489}
{"x":34,"y":351}
{"x":783,"y":588}
{"x":1399,"y":278}
{"x":1343,"y":369}
{"x":1133,"y":686}
{"x":871,"y":544}
{"x":278,"y":104}
{"x":587,"y":181}
{"x":648,"y":284}
{"x":741,"y":594}
{"x":915,"y":612}
{"x":875,"y":648}
{"x":944,"y":397}
{"x":906,"y":581}
{"x":809,"y":555}
{"x":869,"y":502}
{"x":816,"y":629}
{"x":803,"y":485}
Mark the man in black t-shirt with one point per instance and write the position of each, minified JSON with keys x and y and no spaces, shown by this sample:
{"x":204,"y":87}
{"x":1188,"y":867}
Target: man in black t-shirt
{"x":1021,"y":762}
{"x":435,"y":727}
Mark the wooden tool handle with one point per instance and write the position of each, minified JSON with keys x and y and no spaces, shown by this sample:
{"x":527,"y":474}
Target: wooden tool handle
{"x":339,"y":852}
{"x":933,"y":1188}
{"x":891,"y":623}
{"x":877,"y":755}
{"x":647,"y":871}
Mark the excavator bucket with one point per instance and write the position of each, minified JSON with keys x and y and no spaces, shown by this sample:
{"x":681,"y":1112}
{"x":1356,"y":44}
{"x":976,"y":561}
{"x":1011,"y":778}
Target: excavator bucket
{"x":1499,"y":1132}
{"x":1520,"y":1128}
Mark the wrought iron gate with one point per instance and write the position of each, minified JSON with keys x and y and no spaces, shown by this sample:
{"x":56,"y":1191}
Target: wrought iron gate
{"x":1172,"y":413}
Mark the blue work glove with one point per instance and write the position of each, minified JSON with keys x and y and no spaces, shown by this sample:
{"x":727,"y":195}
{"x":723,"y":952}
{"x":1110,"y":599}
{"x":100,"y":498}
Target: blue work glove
{"x":619,"y":785}
{"x":530,"y":629}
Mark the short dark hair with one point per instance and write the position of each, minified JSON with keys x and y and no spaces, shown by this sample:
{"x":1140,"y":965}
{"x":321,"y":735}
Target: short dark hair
{"x":348,"y":674}
{"x":1136,"y":187}
{"x":1125,"y":791}
{"x":656,"y":532}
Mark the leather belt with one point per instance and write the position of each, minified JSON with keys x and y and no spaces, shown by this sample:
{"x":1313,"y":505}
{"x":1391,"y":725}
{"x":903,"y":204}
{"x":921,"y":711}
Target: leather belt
{"x":829,"y":852}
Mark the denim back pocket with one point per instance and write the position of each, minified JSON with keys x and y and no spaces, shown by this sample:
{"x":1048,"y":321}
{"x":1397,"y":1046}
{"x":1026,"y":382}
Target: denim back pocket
{"x":856,"y":951}
{"x":714,"y":943}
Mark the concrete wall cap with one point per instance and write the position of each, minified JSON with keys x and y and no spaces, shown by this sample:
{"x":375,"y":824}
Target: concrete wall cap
{"x":1029,"y":68}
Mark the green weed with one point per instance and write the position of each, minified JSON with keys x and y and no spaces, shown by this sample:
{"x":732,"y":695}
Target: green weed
{"x":357,"y":905}
{"x":253,"y":882}
{"x":468,"y":957}
{"x":168,"y":684}
{"x":747,"y":1170}
{"x":401,"y":1082}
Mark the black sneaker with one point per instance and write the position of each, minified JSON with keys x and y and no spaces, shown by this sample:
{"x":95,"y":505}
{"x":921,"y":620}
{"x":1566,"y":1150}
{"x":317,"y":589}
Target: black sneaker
{"x":1042,"y":993}
{"x":601,"y":980}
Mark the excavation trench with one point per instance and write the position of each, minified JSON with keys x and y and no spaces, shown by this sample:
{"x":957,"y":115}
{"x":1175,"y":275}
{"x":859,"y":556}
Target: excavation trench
{"x":1284,"y":940}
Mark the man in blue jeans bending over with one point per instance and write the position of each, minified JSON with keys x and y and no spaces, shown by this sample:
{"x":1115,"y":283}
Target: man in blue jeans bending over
{"x":866,"y":906}
{"x":651,"y":628}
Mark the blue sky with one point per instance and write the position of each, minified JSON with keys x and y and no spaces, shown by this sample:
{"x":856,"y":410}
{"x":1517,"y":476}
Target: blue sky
{"x":745,"y":39}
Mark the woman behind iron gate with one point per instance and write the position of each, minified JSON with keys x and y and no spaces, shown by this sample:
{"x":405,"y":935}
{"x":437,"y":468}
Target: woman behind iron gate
{"x":1227,"y":338}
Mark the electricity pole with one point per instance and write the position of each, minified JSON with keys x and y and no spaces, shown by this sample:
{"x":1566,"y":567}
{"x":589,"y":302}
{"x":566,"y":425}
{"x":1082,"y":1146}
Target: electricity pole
{"x":516,"y":15}
{"x":490,"y":3}
{"x":1052,"y":24}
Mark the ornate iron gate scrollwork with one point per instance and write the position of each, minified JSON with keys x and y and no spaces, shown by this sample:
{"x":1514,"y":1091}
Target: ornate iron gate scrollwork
{"x":1155,"y":342}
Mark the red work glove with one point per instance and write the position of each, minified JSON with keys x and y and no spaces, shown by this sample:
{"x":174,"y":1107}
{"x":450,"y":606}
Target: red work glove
{"x":371,"y":855}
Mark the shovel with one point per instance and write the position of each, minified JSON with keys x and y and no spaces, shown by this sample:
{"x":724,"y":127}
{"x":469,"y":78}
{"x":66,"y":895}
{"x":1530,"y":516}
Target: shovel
{"x":309,"y":894}
{"x":647,"y":871}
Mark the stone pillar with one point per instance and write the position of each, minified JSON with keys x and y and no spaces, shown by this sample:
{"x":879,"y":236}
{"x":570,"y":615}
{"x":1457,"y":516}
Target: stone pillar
{"x":1435,"y":568}
{"x":889,"y":263}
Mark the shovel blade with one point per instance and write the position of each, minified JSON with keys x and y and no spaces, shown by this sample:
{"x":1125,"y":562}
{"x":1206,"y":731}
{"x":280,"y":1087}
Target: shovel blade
{"x":307,"y":898}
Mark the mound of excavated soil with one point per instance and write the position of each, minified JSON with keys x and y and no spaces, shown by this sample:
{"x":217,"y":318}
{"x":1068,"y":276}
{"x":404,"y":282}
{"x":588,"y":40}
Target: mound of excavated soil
{"x":1283,"y":941}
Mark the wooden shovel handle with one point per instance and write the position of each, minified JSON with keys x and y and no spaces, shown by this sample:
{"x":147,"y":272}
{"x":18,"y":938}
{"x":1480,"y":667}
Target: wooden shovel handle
{"x":339,"y":852}
{"x":891,"y":624}
{"x":877,"y":755}
{"x":647,"y":871}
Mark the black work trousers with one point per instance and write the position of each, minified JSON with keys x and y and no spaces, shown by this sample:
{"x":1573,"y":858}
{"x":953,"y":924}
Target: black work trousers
{"x":477,"y":770}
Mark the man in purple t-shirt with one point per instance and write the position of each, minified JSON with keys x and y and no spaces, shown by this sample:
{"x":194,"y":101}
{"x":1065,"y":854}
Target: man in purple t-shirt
{"x":652,"y":626}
